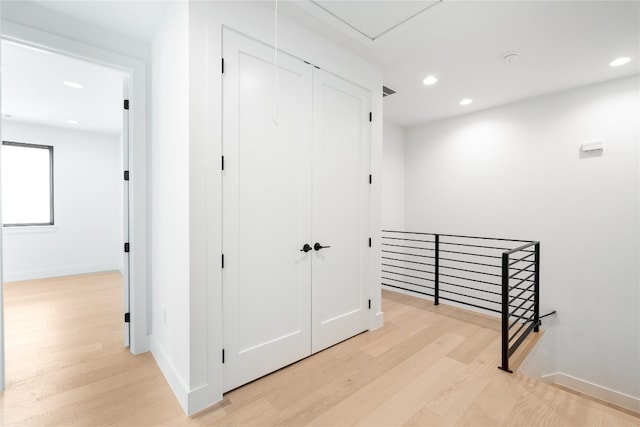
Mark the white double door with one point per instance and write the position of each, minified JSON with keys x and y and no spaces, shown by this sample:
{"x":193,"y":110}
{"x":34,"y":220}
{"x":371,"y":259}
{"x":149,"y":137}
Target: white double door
{"x":296,"y":171}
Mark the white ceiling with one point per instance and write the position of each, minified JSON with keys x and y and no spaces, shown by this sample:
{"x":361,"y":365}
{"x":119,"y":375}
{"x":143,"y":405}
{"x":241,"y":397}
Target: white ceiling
{"x":33,"y":90}
{"x":562,"y":44}
{"x":138,"y":19}
{"x":381,"y":17}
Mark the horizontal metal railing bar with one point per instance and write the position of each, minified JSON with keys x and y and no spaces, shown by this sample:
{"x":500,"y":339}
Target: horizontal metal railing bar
{"x":519,"y":341}
{"x":522,"y":289}
{"x":451,"y":292}
{"x":471,"y":254}
{"x":513,"y":276}
{"x":521,"y":248}
{"x":522,"y":325}
{"x":526,"y":279}
{"x":404,"y":253}
{"x":407,"y":283}
{"x":469,"y":296}
{"x":486,"y":238}
{"x":407,"y":275}
{"x":475,"y":246}
{"x":442,"y":259}
{"x":522,"y":292}
{"x":408,"y":260}
{"x":522,"y":259}
{"x":408,"y":268}
{"x":409,"y":240}
{"x":471,"y":271}
{"x":477,"y":290}
{"x":408,"y":232}
{"x":472,"y":280}
{"x":407,"y":247}
{"x":470,"y":262}
{"x":520,"y":308}
{"x":417,"y":292}
{"x":521,"y":317}
{"x":514,"y":313}
{"x":460,"y":236}
{"x":521,"y":270}
{"x":469,"y":287}
{"x":470,"y":304}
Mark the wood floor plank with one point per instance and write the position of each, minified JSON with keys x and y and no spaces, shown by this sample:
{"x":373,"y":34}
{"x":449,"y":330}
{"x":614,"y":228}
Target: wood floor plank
{"x":428,"y":366}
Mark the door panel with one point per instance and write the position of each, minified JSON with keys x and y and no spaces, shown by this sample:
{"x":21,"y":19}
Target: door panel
{"x":340,"y":208}
{"x":266,"y":210}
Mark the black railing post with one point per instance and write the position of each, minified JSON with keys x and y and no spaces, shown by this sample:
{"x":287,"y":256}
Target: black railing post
{"x":536,"y":289}
{"x":436,"y":287}
{"x":505,"y":312}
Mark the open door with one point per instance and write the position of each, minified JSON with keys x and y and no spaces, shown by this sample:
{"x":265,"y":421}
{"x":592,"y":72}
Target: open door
{"x":126,"y":275}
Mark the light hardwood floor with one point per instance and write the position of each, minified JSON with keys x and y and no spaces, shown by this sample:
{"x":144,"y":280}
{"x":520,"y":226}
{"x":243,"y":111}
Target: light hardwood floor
{"x":428,"y":366}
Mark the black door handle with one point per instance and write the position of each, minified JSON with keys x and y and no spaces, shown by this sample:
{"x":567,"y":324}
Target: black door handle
{"x":318,"y":246}
{"x":306,"y":248}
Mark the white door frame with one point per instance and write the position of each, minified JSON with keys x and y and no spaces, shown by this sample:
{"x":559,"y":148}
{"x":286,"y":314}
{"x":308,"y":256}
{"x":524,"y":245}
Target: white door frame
{"x":139,"y":289}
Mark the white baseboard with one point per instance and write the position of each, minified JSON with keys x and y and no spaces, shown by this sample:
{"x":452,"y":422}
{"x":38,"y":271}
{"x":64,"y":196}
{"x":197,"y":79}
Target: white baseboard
{"x":192,"y":401}
{"x":202,"y":398}
{"x":172,"y":376}
{"x":377,"y":321}
{"x":15,"y":276}
{"x":620,"y":399}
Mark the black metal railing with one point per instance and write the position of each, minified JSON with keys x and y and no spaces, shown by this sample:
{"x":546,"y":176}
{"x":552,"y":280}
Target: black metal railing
{"x":501,"y":276}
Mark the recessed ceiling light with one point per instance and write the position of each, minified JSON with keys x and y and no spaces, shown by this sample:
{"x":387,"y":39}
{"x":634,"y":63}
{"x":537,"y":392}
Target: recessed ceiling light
{"x":466,"y":101}
{"x":72,"y":122}
{"x":429,"y":80}
{"x":73,"y":85}
{"x":619,"y":61}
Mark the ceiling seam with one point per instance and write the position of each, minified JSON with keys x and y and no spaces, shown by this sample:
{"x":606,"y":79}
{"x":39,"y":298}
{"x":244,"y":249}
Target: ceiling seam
{"x":374,"y":38}
{"x":406,"y":20}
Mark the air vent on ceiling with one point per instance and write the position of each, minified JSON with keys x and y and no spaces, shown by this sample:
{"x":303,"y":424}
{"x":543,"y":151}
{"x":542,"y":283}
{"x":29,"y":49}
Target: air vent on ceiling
{"x":387,"y":91}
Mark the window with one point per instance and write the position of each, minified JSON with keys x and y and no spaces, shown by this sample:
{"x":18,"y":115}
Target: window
{"x":27,"y":184}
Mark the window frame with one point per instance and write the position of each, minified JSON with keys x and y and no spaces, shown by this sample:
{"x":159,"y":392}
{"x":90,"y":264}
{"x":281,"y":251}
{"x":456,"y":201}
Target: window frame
{"x":51,"y":188}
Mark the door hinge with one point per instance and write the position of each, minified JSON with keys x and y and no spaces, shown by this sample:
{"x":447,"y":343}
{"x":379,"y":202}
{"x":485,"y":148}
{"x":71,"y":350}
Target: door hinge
{"x":222,"y":260}
{"x":126,"y":175}
{"x":370,"y":178}
{"x":127,"y":318}
{"x":369,"y":241}
{"x":126,"y":104}
{"x":222,"y":65}
{"x":126,"y":247}
{"x":223,"y":355}
{"x":369,"y":304}
{"x":370,"y":117}
{"x":222,"y":162}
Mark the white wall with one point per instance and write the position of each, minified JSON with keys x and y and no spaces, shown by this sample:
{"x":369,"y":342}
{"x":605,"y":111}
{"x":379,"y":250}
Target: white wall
{"x":86,"y":236}
{"x":393,"y":141}
{"x":170,"y":199}
{"x":516,"y":172}
{"x":35,"y":16}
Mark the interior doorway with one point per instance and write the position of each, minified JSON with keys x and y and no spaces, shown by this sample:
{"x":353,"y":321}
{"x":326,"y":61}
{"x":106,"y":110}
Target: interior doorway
{"x":75,"y":110}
